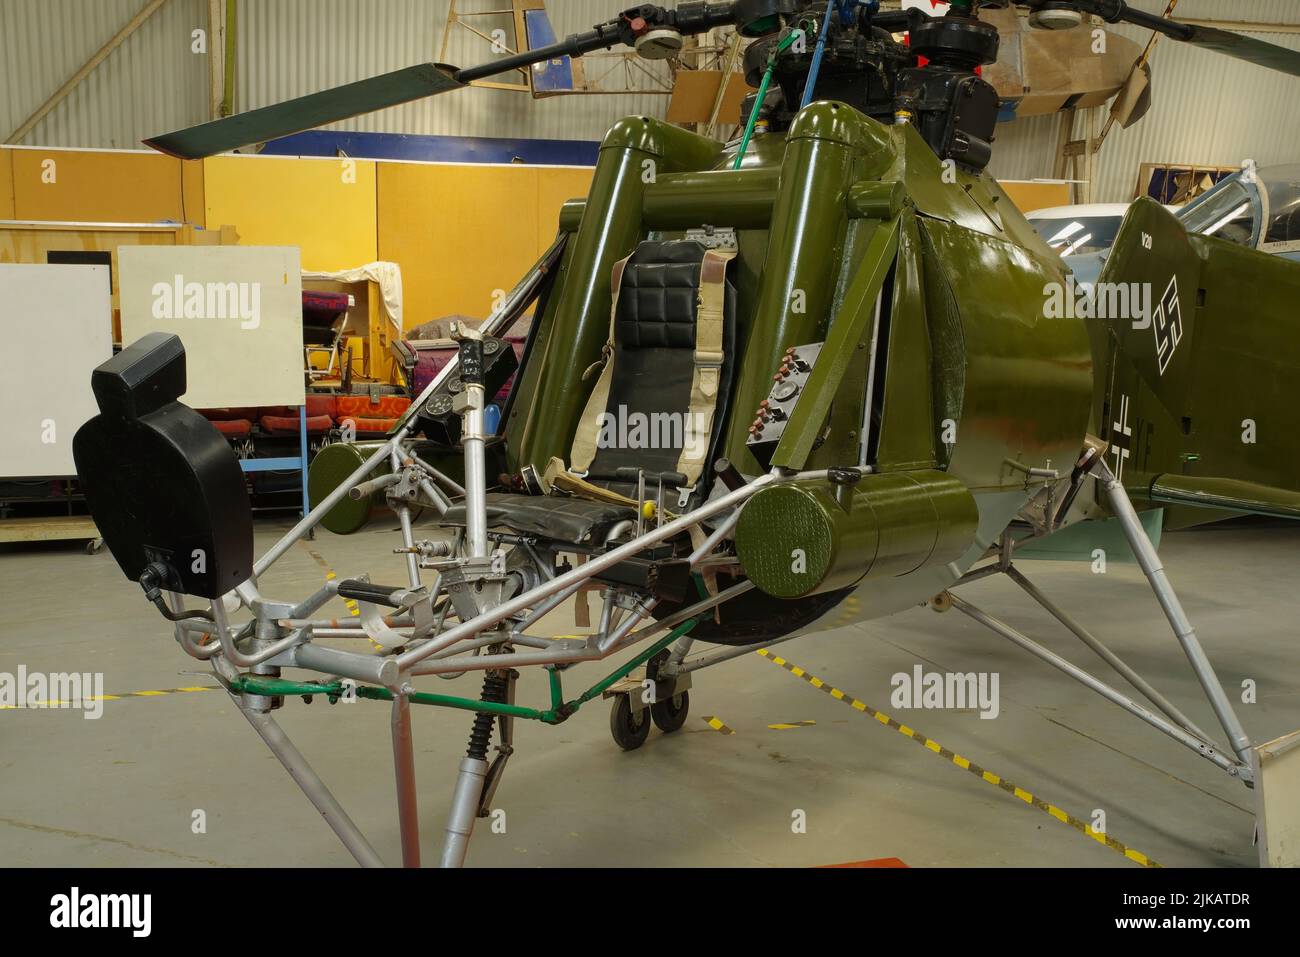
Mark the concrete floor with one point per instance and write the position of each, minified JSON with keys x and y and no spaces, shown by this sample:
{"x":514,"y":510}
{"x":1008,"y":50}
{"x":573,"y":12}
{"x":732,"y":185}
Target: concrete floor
{"x":122,"y":790}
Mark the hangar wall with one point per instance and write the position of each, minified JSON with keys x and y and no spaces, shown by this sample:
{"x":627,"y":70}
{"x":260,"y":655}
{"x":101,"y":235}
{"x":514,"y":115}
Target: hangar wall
{"x":288,"y":48}
{"x":1207,"y":109}
{"x":442,"y":223}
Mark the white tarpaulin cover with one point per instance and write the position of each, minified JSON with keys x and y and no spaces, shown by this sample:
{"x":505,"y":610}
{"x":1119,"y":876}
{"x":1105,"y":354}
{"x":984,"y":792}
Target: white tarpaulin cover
{"x":389,"y":277}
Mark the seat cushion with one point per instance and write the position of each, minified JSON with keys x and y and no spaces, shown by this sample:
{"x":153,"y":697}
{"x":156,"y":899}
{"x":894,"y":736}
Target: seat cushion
{"x":556,"y":517}
{"x":321,"y":405}
{"x":220,"y":415}
{"x":368,"y":427}
{"x":649,"y":403}
{"x":361,"y":407}
{"x":288,"y":425}
{"x":233,"y":428}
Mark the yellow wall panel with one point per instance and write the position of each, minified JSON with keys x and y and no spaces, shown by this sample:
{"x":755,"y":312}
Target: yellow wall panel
{"x":326,"y":207}
{"x":556,"y":187}
{"x":462,"y":233}
{"x":459,"y":233}
{"x":192,"y":194}
{"x":1029,"y":196}
{"x":96,"y":187}
{"x":6,"y":184}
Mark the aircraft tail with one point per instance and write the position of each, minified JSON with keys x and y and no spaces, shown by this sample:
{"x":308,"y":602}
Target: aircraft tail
{"x":1203,"y":358}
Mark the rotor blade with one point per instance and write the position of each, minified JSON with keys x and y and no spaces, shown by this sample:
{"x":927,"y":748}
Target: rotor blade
{"x":1220,"y":41}
{"x":1247,"y":48}
{"x":308,"y":112}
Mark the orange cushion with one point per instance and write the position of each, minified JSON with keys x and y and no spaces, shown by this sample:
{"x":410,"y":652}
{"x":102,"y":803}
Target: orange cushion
{"x":233,"y":428}
{"x":369,"y":426}
{"x":288,"y":425}
{"x":360,"y":407}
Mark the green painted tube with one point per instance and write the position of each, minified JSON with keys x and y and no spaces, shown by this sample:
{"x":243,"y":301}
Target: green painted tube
{"x":280,"y":688}
{"x":806,"y":538}
{"x":619,"y":674}
{"x":741,"y":199}
{"x":829,"y":147}
{"x":557,"y":687}
{"x":559,"y":710}
{"x":876,"y":200}
{"x":635,"y":152}
{"x":571,"y":215}
{"x":451,"y":701}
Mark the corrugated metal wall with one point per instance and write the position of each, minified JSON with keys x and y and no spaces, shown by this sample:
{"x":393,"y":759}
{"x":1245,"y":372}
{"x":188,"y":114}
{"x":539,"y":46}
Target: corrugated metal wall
{"x":287,"y":48}
{"x":1208,"y":108}
{"x":152,"y":83}
{"x":338,"y":41}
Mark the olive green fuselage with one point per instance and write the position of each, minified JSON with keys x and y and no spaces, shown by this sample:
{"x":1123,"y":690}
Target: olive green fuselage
{"x":924,"y":281}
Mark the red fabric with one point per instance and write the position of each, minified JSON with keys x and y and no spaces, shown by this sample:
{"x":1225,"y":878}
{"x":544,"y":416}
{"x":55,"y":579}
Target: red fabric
{"x":360,"y":407}
{"x":369,"y":426}
{"x":233,"y":428}
{"x":321,"y":405}
{"x":327,"y":302}
{"x":229,"y":415}
{"x":288,"y":424}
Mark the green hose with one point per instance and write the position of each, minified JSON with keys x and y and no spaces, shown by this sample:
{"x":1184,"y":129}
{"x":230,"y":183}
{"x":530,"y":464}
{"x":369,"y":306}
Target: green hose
{"x":762,"y":94}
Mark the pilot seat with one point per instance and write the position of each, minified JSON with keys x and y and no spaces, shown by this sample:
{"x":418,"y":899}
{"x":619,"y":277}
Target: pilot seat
{"x":656,"y":411}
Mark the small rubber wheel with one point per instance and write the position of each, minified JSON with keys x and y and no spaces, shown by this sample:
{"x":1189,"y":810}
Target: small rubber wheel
{"x":630,"y":729}
{"x":669,"y":715}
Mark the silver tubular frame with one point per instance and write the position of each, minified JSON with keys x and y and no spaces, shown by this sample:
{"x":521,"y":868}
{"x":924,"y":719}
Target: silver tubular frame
{"x":1235,"y":760}
{"x":281,"y":634}
{"x":491,"y":631}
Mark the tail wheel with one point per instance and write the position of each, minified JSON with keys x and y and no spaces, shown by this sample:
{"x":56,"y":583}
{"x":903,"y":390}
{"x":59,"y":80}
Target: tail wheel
{"x":629,"y":728}
{"x":670,"y":714}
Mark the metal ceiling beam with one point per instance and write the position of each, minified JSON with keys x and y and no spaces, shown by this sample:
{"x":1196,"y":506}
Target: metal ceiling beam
{"x":149,"y":9}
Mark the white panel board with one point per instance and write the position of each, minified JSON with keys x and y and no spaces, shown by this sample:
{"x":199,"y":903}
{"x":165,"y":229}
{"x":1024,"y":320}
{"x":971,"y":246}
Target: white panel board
{"x":1277,"y":801}
{"x":57,"y":325}
{"x":237,"y":309}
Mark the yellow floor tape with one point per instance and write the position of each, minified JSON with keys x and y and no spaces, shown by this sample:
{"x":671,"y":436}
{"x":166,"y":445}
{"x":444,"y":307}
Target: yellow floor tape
{"x":1083,"y":827}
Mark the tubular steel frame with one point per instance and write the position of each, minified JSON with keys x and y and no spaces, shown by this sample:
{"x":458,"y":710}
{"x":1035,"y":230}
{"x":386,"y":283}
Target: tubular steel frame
{"x":247,"y":658}
{"x":1236,"y":759}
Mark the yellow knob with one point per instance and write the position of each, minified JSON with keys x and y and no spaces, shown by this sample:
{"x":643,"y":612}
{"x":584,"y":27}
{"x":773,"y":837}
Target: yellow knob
{"x":647,"y":509}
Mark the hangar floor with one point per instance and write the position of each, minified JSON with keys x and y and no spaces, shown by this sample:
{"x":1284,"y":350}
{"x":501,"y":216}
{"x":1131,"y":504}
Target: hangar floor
{"x":122,"y":790}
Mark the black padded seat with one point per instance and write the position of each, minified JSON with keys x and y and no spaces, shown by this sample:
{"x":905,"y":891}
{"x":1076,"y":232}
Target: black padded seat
{"x":559,"y":517}
{"x":654,"y":352}
{"x":650,"y":380}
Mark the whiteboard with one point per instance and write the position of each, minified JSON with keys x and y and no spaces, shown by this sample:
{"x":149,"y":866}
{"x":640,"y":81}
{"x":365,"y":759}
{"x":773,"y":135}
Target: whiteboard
{"x":237,"y":310}
{"x":57,"y":326}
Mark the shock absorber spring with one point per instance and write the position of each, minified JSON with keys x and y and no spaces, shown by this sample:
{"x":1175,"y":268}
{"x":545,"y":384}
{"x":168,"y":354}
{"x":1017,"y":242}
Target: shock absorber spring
{"x":480,"y":736}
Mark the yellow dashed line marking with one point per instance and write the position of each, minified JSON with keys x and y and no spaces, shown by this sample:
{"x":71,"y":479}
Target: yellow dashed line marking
{"x":349,"y":603}
{"x":717,"y":725}
{"x":792,"y":725}
{"x":110,"y":697}
{"x":965,"y":764}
